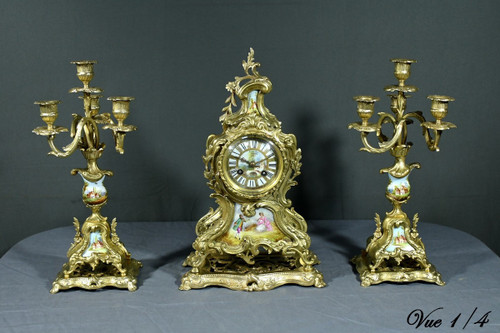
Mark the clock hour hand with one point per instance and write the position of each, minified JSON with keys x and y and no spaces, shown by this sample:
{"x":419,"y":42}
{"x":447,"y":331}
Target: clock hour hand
{"x":244,"y":160}
{"x":252,"y":164}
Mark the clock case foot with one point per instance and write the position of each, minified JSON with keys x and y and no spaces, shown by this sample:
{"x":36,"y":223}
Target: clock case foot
{"x":268,"y":272}
{"x":252,"y":282}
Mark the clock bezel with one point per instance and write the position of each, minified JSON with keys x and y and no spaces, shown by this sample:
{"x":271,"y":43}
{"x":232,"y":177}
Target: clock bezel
{"x":251,"y":192}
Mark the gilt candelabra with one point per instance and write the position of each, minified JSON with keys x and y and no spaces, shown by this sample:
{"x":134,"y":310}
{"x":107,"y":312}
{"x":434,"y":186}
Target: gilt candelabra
{"x":97,"y":258}
{"x":395,"y":252}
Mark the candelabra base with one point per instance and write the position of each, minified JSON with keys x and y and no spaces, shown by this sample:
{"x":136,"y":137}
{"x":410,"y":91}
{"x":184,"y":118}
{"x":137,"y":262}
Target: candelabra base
{"x":381,"y":274}
{"x":104,"y":275}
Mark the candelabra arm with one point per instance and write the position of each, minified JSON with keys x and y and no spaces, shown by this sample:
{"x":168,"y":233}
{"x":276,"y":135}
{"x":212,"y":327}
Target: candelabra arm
{"x":103,"y":118}
{"x":56,"y":152}
{"x":417,"y":115}
{"x":119,"y":138}
{"x":384,"y":145}
{"x":119,"y":132}
{"x":432,"y":144}
{"x":91,"y":135}
{"x":369,"y":148}
{"x":384,"y":118}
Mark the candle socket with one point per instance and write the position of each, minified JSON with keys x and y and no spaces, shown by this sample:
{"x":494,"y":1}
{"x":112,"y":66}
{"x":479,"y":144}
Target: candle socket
{"x":402,"y":69}
{"x":85,"y":71}
{"x":97,"y":258}
{"x":121,"y":108}
{"x":439,"y":106}
{"x":48,"y":112}
{"x":366,"y":105}
{"x":395,"y":252}
{"x":95,"y":107}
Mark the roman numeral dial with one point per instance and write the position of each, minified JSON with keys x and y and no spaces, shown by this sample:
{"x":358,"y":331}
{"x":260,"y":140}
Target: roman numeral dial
{"x":252,"y":162}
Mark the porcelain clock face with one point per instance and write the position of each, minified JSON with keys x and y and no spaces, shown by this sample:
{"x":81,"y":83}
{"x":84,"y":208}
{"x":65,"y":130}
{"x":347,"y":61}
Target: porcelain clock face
{"x":252,"y":163}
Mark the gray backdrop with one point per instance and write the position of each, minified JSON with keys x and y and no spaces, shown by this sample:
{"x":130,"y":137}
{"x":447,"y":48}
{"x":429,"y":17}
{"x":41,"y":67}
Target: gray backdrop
{"x":175,"y":57}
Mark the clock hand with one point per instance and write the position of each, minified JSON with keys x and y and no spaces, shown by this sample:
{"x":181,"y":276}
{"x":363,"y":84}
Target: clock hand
{"x":259,"y":161}
{"x":251,"y":164}
{"x":244,"y":160}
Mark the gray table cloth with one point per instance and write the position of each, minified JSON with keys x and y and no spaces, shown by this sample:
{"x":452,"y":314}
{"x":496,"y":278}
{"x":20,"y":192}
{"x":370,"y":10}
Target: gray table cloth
{"x":469,"y":302}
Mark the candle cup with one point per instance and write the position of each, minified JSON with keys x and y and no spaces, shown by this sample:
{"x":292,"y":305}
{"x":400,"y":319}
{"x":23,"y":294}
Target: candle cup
{"x":366,"y":105}
{"x":85,"y":71}
{"x":48,"y":112}
{"x":439,"y":106}
{"x":90,"y":102}
{"x":121,"y":108}
{"x":402,"y":69}
{"x":394,"y":103}
{"x":94,"y":104}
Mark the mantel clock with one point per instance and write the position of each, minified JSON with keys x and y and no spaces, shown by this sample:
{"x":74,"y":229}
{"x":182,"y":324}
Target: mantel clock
{"x":254,"y":240}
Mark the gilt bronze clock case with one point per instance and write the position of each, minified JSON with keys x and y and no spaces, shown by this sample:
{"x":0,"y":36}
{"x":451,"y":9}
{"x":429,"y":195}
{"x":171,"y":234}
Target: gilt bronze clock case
{"x":254,"y":240}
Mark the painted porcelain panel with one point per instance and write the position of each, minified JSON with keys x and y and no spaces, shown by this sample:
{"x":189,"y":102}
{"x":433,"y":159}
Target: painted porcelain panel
{"x":252,"y":100}
{"x":399,"y":188}
{"x":94,"y":193}
{"x":96,"y":245}
{"x":259,"y":226}
{"x":399,"y":241}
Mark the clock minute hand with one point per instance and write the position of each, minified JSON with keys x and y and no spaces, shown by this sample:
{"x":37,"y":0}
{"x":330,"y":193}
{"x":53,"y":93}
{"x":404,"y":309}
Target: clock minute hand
{"x":259,"y":161}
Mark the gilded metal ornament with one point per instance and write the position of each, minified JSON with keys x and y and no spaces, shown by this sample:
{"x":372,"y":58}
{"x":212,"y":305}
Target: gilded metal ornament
{"x":254,"y":240}
{"x":97,"y":257}
{"x":395,"y":252}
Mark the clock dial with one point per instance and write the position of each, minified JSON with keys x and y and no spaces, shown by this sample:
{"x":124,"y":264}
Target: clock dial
{"x":252,"y":162}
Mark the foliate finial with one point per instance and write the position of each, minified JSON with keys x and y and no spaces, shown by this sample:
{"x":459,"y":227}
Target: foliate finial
{"x":250,"y":64}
